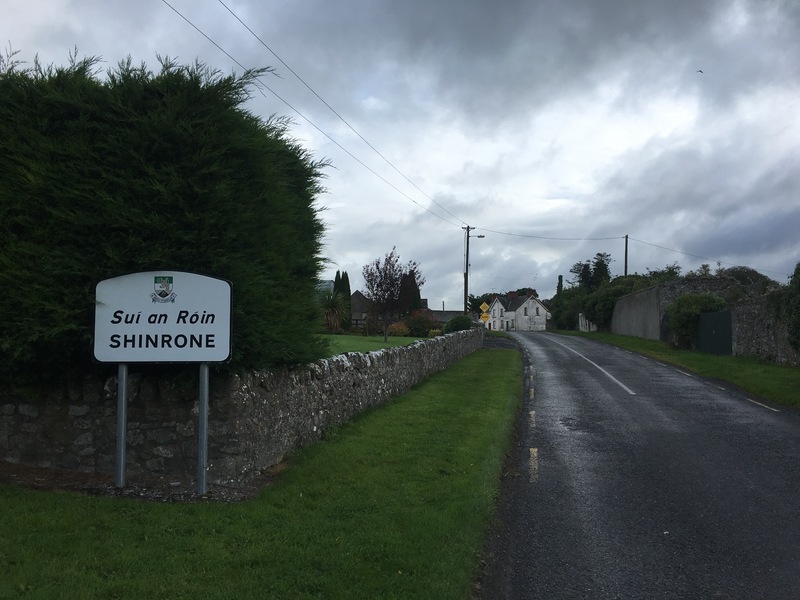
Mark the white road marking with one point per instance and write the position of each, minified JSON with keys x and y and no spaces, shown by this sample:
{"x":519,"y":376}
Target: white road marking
{"x":534,"y":464}
{"x":684,"y":373}
{"x":763,"y":405}
{"x":532,"y":419}
{"x":609,"y":375}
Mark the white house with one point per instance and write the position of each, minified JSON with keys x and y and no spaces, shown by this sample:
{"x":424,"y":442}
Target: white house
{"x":517,"y":313}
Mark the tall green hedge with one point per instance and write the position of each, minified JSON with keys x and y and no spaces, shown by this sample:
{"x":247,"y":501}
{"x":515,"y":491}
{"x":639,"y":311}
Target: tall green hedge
{"x":136,"y":171}
{"x":792,"y":308}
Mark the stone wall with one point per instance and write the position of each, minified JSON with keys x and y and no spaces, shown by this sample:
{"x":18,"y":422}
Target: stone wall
{"x":757,"y":328}
{"x":254,"y":421}
{"x":758,"y":331}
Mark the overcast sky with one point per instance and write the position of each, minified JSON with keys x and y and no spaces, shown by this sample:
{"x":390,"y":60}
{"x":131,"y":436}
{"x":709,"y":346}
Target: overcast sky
{"x":554,"y":128}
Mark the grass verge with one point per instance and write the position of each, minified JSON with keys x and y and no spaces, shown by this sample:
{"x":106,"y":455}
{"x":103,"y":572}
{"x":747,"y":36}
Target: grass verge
{"x":395,"y":504}
{"x":776,"y":383}
{"x":339,"y":344}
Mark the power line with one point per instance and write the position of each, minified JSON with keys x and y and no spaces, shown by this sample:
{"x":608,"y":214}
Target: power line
{"x":345,"y":150}
{"x":309,"y":121}
{"x":341,"y":118}
{"x":703,"y":257}
{"x":541,"y":237}
{"x":375,"y":173}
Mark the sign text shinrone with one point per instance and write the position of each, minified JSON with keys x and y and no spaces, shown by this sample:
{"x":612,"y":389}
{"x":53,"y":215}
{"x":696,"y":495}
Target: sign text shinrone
{"x":162,"y":316}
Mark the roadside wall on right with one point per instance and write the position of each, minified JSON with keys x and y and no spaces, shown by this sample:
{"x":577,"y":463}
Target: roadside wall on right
{"x":757,"y":327}
{"x":638,"y":315}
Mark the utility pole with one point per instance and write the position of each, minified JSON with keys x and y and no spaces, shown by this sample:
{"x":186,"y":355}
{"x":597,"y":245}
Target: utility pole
{"x":467,"y":229}
{"x":626,"y":255}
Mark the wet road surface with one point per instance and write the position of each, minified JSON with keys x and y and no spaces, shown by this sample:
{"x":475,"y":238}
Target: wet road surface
{"x":635,"y":480}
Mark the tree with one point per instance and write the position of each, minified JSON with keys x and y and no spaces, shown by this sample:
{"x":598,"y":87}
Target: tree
{"x":411,"y":281}
{"x":703,"y":270}
{"x":583,"y":274}
{"x":135,"y":171}
{"x":668,"y":273}
{"x":348,"y":318}
{"x":600,"y":270}
{"x":341,"y":284}
{"x":333,"y":307}
{"x":383,"y":281}
{"x":476,"y":301}
{"x":337,"y":282}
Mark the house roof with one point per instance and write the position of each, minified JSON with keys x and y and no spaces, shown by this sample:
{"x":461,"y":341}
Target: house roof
{"x":359,"y":303}
{"x":514,"y":302}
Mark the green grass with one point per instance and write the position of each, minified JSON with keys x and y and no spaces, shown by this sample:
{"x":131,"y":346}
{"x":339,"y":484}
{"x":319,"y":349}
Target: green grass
{"x":776,"y":383}
{"x":339,"y":344}
{"x":395,"y":504}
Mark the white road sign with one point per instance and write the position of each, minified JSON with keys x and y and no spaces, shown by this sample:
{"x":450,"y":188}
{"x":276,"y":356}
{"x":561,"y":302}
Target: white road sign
{"x":162,"y":316}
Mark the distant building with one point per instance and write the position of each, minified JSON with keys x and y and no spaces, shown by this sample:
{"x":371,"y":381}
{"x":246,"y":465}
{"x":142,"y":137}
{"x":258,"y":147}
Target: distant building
{"x":325,"y":286}
{"x":359,"y":309}
{"x":517,"y":313}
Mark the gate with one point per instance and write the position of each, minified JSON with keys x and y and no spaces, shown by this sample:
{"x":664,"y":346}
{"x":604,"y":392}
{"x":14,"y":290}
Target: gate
{"x":715,"y":333}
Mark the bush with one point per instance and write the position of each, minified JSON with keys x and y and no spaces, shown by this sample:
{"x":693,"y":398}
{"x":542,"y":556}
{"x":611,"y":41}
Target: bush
{"x":421,"y":322}
{"x":138,"y":172}
{"x":458,"y":323}
{"x":434,"y":332}
{"x":398,"y":329}
{"x":684,"y":316}
{"x":793,"y":308}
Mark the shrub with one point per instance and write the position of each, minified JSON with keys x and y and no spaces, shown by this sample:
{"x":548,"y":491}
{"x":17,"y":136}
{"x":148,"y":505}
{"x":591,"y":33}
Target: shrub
{"x":684,"y":316}
{"x":458,"y":323}
{"x":793,"y":308}
{"x":434,"y":332}
{"x":421,"y":322}
{"x":398,"y":329}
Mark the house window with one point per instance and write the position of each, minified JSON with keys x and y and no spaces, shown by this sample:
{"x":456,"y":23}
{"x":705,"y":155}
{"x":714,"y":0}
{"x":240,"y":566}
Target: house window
{"x":537,"y":311}
{"x":526,"y":312}
{"x":512,"y":323}
{"x":501,"y":312}
{"x":493,"y":311}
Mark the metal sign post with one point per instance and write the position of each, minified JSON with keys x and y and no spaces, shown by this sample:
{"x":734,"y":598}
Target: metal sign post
{"x":122,"y":423}
{"x":202,"y":431}
{"x":163,"y":317}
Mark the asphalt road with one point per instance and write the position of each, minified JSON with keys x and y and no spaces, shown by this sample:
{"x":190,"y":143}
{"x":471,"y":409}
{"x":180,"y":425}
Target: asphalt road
{"x":635,"y":480}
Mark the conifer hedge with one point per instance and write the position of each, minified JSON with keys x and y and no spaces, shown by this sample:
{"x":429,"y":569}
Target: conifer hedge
{"x":134,"y":171}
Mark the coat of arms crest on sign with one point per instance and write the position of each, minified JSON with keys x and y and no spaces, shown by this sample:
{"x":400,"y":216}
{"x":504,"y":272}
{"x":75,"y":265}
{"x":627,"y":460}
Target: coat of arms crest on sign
{"x":163,"y":284}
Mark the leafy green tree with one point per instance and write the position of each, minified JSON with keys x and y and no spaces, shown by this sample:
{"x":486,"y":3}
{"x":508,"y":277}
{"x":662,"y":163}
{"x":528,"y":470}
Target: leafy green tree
{"x":703,"y":270}
{"x":601,"y":273}
{"x":141,"y":171}
{"x":668,"y":273}
{"x":566,"y":306}
{"x":583,"y":274}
